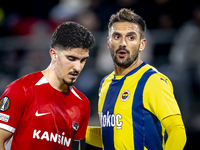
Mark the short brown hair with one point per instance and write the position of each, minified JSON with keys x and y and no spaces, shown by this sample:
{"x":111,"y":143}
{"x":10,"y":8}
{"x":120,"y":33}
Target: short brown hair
{"x":127,"y":15}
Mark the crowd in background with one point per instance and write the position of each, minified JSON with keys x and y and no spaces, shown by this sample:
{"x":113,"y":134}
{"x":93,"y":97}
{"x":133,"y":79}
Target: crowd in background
{"x":173,"y":43}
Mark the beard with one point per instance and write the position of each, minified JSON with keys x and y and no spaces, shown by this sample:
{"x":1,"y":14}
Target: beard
{"x":72,"y":80}
{"x":71,"y":83}
{"x":128,"y":61}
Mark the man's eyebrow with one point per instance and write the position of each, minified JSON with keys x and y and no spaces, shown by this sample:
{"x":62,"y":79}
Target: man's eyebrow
{"x":86,"y":57}
{"x":129,"y":33}
{"x":114,"y":33}
{"x":72,"y":56}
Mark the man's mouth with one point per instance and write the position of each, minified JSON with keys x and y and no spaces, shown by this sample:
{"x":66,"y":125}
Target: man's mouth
{"x":74,"y":75}
{"x":122,"y":53}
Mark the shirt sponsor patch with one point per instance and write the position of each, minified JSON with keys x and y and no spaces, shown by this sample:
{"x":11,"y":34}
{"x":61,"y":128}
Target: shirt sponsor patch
{"x":4,"y":103}
{"x":4,"y":117}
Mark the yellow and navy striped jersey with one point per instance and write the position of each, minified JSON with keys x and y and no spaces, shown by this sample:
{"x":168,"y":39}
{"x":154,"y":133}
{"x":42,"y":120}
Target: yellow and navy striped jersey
{"x":131,"y":109}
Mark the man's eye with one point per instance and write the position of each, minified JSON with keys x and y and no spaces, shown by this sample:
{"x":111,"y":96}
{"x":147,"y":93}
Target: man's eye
{"x":116,"y":37}
{"x":131,"y":37}
{"x":71,"y":58}
{"x":83,"y":60}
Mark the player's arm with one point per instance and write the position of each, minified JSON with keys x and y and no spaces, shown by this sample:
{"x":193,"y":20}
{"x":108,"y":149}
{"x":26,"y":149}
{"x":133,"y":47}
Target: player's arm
{"x":94,"y":136}
{"x":176,"y":132}
{"x":4,"y":136}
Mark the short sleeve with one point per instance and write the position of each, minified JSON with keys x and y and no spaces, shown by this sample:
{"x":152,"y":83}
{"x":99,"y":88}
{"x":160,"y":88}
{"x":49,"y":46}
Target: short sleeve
{"x":81,"y":132}
{"x":158,"y":97}
{"x":12,"y":105}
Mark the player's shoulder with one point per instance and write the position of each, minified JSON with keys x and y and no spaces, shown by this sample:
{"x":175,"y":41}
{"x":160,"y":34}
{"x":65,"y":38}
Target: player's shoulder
{"x":29,"y":79}
{"x":158,"y":77}
{"x":79,"y":94}
{"x":23,"y":83}
{"x":18,"y":88}
{"x":108,"y":78}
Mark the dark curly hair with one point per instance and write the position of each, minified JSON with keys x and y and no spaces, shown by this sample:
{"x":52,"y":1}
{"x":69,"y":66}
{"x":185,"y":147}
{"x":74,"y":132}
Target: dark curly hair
{"x":71,"y":35}
{"x":127,"y":15}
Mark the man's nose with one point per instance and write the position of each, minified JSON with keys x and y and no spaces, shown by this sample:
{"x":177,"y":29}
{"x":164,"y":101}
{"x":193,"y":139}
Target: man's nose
{"x":77,"y":66}
{"x":123,"y":42}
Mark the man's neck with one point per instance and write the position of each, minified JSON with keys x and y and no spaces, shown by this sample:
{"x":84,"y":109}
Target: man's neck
{"x":121,"y":71}
{"x":51,"y":77}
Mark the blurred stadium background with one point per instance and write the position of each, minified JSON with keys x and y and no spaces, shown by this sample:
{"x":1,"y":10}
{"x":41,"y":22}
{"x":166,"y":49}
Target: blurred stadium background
{"x":173,"y":45}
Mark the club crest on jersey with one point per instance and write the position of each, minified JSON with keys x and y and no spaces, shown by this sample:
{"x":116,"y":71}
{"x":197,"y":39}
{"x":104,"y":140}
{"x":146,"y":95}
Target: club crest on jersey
{"x":4,"y":103}
{"x":125,"y":95}
{"x":75,"y":125}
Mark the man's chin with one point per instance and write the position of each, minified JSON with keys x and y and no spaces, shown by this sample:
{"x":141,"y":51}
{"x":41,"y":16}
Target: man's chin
{"x":69,"y":83}
{"x":123,"y":64}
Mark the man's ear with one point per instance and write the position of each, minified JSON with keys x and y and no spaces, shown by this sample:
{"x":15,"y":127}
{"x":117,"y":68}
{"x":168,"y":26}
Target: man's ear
{"x":108,"y":42}
{"x":53,"y":54}
{"x":142,"y":44}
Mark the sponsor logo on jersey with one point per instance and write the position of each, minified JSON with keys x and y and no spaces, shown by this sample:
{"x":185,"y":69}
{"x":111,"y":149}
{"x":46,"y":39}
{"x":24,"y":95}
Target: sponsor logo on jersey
{"x":111,"y":120}
{"x":125,"y":95}
{"x":75,"y":125}
{"x":4,"y":103}
{"x":52,"y":137}
{"x":4,"y":117}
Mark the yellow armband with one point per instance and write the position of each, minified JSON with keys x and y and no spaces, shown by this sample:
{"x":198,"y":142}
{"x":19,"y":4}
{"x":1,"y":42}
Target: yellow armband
{"x":94,"y":136}
{"x":176,"y":132}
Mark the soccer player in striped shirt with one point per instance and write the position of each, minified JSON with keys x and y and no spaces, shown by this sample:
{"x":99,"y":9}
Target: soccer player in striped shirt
{"x":43,"y":110}
{"x":137,"y":107}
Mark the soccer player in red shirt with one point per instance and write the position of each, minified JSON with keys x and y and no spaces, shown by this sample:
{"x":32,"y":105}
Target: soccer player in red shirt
{"x":43,"y":110}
